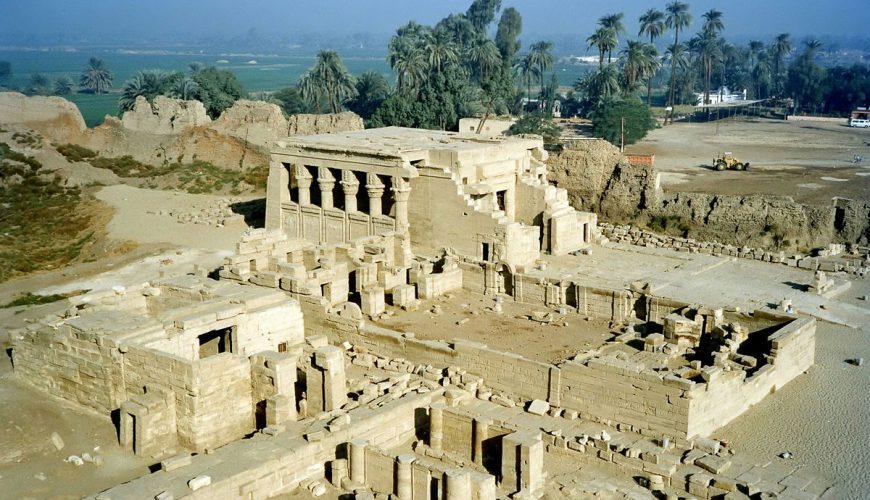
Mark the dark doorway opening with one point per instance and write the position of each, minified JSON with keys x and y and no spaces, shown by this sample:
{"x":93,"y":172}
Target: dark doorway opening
{"x":215,"y":342}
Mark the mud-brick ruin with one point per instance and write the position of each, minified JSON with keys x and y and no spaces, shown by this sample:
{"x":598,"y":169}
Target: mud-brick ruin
{"x":299,"y":368}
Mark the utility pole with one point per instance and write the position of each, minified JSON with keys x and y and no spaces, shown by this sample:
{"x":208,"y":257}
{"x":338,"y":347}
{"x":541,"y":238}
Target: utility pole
{"x":622,"y":134}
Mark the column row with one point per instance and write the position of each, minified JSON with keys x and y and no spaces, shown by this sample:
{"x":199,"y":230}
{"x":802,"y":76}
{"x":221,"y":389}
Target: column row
{"x":350,"y":184}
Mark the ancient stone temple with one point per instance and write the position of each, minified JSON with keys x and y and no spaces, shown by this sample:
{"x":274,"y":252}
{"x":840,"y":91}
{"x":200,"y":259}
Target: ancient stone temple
{"x":486,"y":198}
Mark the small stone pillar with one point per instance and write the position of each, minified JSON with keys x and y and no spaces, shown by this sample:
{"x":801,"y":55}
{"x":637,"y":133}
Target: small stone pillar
{"x":436,"y":426}
{"x":280,"y":409}
{"x":404,"y":487}
{"x":375,"y":189}
{"x":480,"y":430}
{"x":457,"y":482}
{"x":338,"y":471}
{"x":358,"y":461}
{"x":373,"y":302}
{"x":401,"y":194}
{"x":326,"y":182}
{"x":350,"y":186}
{"x":303,"y":183}
{"x":325,"y":380}
{"x":522,"y":462}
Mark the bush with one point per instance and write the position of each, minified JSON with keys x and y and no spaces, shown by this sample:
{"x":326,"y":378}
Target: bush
{"x":74,"y":152}
{"x":607,"y":120}
{"x":537,"y":123}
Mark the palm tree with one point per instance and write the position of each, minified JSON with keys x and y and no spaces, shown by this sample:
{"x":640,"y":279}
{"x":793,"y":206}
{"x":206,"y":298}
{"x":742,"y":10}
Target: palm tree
{"x":678,"y":17}
{"x":542,"y":58}
{"x":96,"y":77}
{"x":639,"y":60}
{"x":310,"y":90}
{"x":331,"y":75}
{"x":148,"y":83}
{"x":527,"y":71}
{"x":755,"y":48}
{"x":39,"y":85}
{"x":678,"y":57}
{"x":600,"y":84}
{"x":63,"y":85}
{"x":613,"y":24}
{"x":485,"y":58}
{"x":706,"y":47}
{"x":407,"y":60}
{"x":185,"y":88}
{"x":713,"y":21}
{"x":811,"y":47}
{"x":604,"y":40}
{"x":761,"y":72}
{"x":652,"y":23}
{"x":781,"y":47}
{"x":441,"y":49}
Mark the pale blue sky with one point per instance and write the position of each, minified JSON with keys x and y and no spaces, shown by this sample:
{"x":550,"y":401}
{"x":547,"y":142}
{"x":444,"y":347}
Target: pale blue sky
{"x":172,"y":18}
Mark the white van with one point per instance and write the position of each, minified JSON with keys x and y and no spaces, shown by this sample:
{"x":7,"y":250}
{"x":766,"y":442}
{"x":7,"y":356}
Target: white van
{"x":859,"y":122}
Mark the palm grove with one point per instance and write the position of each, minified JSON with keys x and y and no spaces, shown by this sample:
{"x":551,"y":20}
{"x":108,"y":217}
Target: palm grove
{"x":461,"y":67}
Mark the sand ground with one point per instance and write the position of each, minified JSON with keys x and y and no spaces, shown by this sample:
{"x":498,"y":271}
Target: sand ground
{"x":809,"y":161}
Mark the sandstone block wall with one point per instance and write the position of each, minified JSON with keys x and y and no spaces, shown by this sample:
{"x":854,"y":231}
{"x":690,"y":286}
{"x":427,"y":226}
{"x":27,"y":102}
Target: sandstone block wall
{"x":262,"y":468}
{"x":502,"y":370}
{"x":618,"y":391}
{"x":732,"y":393}
{"x":72,"y":365}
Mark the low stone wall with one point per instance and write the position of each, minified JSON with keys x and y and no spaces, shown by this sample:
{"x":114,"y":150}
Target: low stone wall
{"x":635,"y":236}
{"x":266,"y":466}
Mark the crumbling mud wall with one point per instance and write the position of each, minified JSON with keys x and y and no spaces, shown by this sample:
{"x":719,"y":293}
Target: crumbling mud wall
{"x":750,"y":219}
{"x":599,"y":178}
{"x":172,"y":130}
{"x":54,"y":117}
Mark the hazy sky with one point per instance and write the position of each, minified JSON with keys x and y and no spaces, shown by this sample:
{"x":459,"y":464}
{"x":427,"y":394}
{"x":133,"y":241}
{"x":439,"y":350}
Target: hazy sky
{"x":172,"y":18}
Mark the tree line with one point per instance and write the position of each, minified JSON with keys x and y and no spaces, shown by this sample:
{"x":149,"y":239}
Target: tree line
{"x":461,"y":67}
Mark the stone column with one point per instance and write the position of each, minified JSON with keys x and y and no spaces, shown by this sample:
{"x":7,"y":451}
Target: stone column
{"x":522,"y":462}
{"x":375,"y":189}
{"x":458,"y":484}
{"x":358,"y":461}
{"x":401,"y":193}
{"x":326,"y":182}
{"x":350,"y":186}
{"x":325,"y":380}
{"x":303,"y":182}
{"x":436,"y":426}
{"x":404,"y":489}
{"x":277,"y":193}
{"x":479,"y":431}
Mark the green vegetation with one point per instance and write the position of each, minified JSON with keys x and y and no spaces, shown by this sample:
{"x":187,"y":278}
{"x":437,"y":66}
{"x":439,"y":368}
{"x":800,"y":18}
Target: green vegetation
{"x":30,"y":299}
{"x":622,"y":119}
{"x":43,"y":224}
{"x":194,"y":177}
{"x":75,"y":153}
{"x":537,"y":123}
{"x":39,"y":85}
{"x":328,"y":82}
{"x":670,"y":224}
{"x":63,"y":86}
{"x":96,"y":77}
{"x":217,"y":89}
{"x":28,"y":139}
